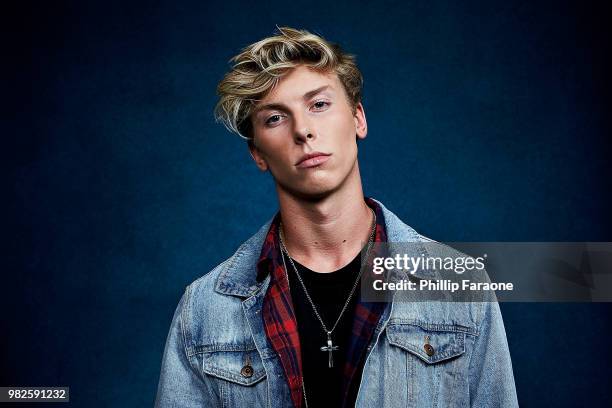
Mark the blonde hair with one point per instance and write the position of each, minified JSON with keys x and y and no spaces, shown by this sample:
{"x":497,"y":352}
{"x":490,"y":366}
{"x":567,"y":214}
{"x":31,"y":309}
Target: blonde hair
{"x":259,"y":67}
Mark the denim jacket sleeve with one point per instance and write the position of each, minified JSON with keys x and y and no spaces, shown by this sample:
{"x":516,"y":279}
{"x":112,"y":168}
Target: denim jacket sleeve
{"x":180,"y":385}
{"x":491,"y":381}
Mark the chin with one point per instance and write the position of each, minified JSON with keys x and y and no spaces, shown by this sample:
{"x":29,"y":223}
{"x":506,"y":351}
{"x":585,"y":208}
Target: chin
{"x":312,"y":191}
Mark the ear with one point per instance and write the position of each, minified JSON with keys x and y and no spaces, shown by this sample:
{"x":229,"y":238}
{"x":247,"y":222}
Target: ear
{"x":361,"y":125}
{"x":257,"y":156}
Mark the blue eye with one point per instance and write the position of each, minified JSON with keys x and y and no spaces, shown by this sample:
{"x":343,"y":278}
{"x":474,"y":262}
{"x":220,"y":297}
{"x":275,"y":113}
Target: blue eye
{"x":319,"y":105}
{"x":273,"y":119}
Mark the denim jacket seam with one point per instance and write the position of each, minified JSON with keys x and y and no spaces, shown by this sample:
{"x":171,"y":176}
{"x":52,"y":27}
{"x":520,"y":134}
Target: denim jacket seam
{"x":184,"y":321}
{"x":482,"y":321}
{"x":448,"y":327}
{"x":213,"y":348}
{"x":453,"y":387}
{"x":225,"y":268}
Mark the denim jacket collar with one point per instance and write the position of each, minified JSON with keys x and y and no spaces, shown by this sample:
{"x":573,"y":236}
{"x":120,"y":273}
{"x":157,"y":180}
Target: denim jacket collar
{"x":239,"y":274}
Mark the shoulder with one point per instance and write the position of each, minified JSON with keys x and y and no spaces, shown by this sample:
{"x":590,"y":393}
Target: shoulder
{"x":204,"y":286}
{"x":236,"y":271}
{"x":200,"y":302}
{"x":220,"y":292}
{"x":465,"y":315}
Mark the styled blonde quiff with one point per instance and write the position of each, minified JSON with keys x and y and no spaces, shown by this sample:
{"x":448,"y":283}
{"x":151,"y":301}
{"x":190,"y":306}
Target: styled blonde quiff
{"x":260,"y":66}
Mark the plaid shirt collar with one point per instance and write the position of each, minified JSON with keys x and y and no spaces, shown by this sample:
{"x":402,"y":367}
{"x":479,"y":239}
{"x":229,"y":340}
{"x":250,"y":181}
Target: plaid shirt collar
{"x":280,"y":322}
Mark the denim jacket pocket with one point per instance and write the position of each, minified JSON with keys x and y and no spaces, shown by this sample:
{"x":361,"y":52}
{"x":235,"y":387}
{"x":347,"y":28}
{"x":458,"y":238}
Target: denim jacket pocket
{"x":236,"y":364}
{"x":430,"y":342}
{"x":425,"y":365}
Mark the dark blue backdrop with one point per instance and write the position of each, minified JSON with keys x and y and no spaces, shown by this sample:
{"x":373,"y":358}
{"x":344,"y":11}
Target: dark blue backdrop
{"x":488,"y":121}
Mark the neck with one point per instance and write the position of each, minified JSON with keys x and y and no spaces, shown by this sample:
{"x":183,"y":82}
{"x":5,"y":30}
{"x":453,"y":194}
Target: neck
{"x":326,"y":234}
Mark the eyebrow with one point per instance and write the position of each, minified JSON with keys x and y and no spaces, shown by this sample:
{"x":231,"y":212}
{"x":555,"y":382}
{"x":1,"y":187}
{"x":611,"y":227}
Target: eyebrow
{"x":312,"y":93}
{"x":279,"y":106}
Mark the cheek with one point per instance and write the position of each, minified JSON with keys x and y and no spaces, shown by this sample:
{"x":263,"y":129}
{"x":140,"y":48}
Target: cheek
{"x":278,"y":156}
{"x":344,"y":129}
{"x":348,"y":125}
{"x":270,"y":147}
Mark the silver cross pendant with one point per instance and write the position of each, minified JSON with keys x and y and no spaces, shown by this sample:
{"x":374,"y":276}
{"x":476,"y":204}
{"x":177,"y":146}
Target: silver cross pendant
{"x":330,"y":348}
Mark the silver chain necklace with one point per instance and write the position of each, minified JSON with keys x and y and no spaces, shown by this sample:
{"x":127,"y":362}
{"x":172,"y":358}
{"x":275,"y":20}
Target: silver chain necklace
{"x":330,"y":347}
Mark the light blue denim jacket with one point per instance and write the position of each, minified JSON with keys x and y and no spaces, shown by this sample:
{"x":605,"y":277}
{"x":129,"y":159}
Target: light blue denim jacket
{"x":217,"y":329}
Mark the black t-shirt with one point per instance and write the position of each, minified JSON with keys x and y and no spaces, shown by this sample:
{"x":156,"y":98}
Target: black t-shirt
{"x":329,"y":292}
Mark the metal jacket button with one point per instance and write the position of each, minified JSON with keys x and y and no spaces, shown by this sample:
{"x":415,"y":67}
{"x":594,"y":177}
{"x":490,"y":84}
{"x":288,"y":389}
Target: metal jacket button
{"x":247,"y":371}
{"x":429,"y":350}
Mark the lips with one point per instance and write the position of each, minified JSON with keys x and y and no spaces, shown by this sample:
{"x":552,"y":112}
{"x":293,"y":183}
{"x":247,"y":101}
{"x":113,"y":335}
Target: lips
{"x":313,"y":159}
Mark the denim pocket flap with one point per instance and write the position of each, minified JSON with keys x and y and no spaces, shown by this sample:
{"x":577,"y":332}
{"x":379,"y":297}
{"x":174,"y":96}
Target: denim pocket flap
{"x":431,"y":344}
{"x":243,"y":367}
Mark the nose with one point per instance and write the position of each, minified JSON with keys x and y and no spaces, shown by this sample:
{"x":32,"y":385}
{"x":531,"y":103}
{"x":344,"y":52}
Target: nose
{"x":303,"y":131}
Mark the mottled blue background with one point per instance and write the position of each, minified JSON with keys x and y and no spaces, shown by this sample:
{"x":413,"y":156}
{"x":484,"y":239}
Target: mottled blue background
{"x":488,"y":121}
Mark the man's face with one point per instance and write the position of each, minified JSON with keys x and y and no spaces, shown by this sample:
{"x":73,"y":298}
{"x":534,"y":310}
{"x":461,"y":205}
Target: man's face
{"x":304,"y":132}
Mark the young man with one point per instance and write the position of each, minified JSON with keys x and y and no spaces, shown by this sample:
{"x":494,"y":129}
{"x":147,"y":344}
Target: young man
{"x":282,"y":322}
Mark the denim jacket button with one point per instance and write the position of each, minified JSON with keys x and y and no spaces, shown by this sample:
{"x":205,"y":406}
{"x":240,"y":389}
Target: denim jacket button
{"x":247,"y":371}
{"x":429,"y":350}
